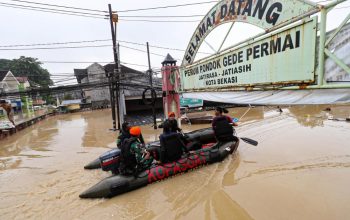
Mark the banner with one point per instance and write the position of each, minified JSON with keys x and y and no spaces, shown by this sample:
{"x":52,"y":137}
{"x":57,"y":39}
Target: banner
{"x":287,"y":56}
{"x":191,"y":103}
{"x":265,"y":14}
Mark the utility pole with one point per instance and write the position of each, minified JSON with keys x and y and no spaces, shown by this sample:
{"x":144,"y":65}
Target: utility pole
{"x":113,"y":18}
{"x":111,"y":92}
{"x":121,"y":96}
{"x":151,"y":83}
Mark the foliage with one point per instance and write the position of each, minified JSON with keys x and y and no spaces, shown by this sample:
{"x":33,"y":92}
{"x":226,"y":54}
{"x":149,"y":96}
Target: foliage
{"x":29,"y":67}
{"x":67,"y":97}
{"x":5,"y":64}
{"x":49,"y":99}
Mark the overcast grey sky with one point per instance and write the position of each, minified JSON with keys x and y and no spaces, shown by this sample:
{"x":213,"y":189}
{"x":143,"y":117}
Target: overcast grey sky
{"x":19,"y":26}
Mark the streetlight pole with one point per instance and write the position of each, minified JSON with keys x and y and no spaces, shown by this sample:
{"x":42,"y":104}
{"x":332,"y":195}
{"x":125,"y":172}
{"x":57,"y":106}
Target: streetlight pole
{"x":113,"y":18}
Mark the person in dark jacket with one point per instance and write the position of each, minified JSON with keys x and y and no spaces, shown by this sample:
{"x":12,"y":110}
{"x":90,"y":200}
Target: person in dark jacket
{"x":171,"y":123}
{"x":125,"y":134}
{"x":222,"y":125}
{"x":172,"y":144}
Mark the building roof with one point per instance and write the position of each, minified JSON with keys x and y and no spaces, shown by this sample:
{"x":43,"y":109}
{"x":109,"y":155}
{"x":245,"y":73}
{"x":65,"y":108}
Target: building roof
{"x":123,"y":69}
{"x":71,"y":102}
{"x":80,"y":74}
{"x":3,"y":73}
{"x":22,"y":79}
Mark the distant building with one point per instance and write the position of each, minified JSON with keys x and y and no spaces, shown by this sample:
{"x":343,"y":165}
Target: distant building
{"x":27,"y":102}
{"x":23,"y":81}
{"x":9,"y":83}
{"x":100,"y":96}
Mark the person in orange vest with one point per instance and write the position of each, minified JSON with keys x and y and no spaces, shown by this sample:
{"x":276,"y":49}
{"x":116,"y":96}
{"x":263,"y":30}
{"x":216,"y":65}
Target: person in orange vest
{"x":125,"y":134}
{"x":134,"y":156}
{"x":171,"y":123}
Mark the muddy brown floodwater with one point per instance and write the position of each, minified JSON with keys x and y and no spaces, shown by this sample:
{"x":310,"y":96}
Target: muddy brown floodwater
{"x":299,"y":170}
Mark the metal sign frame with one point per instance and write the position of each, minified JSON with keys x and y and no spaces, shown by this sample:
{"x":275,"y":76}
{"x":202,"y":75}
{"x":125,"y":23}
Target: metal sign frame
{"x":248,"y":64}
{"x":323,"y":51}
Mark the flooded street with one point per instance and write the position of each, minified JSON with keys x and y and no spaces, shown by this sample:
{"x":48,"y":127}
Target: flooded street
{"x":299,"y":170}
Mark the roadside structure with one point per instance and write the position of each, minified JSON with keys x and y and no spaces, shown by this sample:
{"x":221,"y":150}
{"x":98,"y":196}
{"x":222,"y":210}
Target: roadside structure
{"x":100,"y":96}
{"x":9,"y":83}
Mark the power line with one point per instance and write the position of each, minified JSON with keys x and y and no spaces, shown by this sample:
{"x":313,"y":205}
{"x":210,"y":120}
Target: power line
{"x":100,"y":16}
{"x":53,"y":12}
{"x":160,"y":21}
{"x":55,"y":43}
{"x":91,"y":41}
{"x":159,"y":47}
{"x":73,"y":62}
{"x":103,"y":62}
{"x":160,"y":16}
{"x":143,"y":51}
{"x":76,"y":87}
{"x":169,"y":6}
{"x":53,"y":48}
{"x":50,"y":9}
{"x":60,"y":6}
{"x":103,"y":11}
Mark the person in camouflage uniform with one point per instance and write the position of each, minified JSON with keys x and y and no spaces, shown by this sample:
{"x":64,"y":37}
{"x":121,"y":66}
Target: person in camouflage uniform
{"x":134,"y":157}
{"x":125,"y":134}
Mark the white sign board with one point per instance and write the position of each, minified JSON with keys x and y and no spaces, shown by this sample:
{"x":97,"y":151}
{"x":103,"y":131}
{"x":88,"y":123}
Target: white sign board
{"x":285,"y":57}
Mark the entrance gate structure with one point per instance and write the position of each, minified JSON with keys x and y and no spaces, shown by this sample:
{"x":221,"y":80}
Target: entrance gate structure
{"x":289,"y":55}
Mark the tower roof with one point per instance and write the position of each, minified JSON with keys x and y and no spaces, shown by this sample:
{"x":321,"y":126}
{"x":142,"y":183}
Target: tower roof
{"x":169,"y":60}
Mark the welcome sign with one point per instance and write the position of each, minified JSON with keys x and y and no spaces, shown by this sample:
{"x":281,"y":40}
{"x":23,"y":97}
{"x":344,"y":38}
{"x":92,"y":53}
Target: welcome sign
{"x":262,"y":13}
{"x":284,"y":57}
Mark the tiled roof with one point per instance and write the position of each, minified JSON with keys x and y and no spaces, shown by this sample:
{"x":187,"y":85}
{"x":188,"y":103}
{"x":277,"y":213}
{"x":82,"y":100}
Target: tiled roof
{"x":22,"y":79}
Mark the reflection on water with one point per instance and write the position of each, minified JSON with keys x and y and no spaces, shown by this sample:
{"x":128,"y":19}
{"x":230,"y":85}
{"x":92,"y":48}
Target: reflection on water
{"x":229,"y":177}
{"x":28,"y":143}
{"x":302,"y":163}
{"x":318,"y":163}
{"x":97,"y":132}
{"x":309,"y":116}
{"x":316,"y":115}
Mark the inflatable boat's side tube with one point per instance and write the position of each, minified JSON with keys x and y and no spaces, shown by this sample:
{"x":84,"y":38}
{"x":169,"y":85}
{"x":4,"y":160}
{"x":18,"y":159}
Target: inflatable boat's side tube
{"x":118,"y":184}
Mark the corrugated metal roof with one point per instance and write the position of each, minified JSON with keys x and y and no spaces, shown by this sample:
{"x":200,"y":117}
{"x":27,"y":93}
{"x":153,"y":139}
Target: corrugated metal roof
{"x":276,"y":97}
{"x":71,"y":102}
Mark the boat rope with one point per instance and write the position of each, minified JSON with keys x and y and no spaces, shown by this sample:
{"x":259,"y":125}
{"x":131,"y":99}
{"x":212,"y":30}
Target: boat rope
{"x":245,"y":112}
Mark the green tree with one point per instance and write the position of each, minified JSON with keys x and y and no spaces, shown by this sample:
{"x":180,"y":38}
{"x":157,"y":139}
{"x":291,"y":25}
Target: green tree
{"x":49,"y":99}
{"x":5,"y":64}
{"x":29,"y":67}
{"x":67,"y":97}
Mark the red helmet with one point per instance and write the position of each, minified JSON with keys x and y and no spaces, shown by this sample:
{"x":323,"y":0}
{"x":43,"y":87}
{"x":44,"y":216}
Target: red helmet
{"x":171,"y":114}
{"x":135,"y":131}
